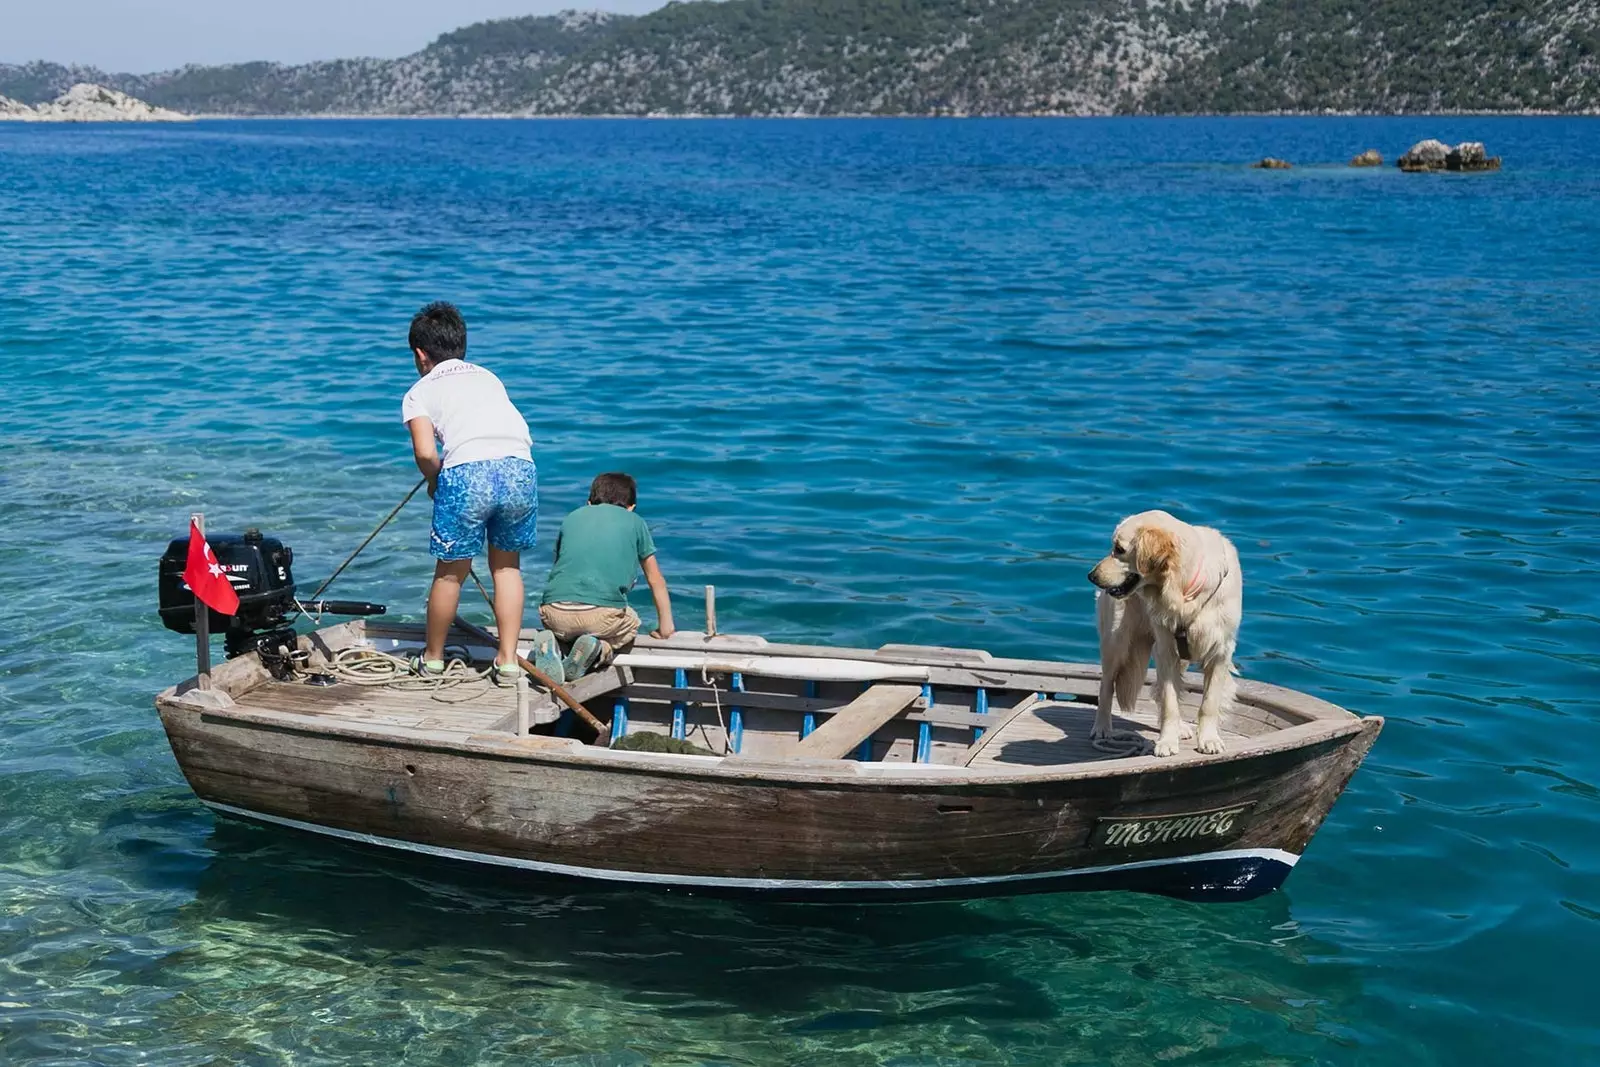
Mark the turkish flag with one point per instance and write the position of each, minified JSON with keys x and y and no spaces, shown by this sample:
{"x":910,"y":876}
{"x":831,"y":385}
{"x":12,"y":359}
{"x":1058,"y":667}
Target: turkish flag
{"x":205,"y":577}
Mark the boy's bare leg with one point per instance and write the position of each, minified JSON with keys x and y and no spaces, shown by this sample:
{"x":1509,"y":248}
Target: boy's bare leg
{"x":443,"y":600}
{"x":506,"y":567}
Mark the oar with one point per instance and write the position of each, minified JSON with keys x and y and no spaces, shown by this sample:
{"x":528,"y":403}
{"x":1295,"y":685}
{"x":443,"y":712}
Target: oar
{"x":359,"y":548}
{"x":602,"y":730}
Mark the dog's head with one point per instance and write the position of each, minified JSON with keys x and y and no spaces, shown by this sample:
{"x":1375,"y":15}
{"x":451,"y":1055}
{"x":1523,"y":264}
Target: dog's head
{"x":1144,"y":550}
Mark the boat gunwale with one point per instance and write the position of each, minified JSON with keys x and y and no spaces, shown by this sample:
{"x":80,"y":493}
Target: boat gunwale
{"x":841,"y":774}
{"x":242,"y":675}
{"x":1326,"y":721}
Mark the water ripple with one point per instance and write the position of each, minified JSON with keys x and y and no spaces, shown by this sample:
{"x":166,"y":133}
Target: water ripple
{"x":879,"y":382}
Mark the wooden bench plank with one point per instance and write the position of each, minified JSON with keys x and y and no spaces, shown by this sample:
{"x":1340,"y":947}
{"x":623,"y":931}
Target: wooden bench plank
{"x":856,"y":721}
{"x":999,"y":722}
{"x":711,"y":697}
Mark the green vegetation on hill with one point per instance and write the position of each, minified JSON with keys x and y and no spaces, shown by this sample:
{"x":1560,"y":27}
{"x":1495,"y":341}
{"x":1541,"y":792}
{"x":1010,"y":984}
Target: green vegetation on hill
{"x":1395,"y":55}
{"x":817,"y":57}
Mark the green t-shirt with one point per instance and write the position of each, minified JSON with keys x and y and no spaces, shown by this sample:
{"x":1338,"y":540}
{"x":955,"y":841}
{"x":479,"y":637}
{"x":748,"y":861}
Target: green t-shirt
{"x":598,"y":553}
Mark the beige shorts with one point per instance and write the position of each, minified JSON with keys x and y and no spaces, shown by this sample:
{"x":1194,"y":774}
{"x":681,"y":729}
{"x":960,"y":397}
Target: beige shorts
{"x":615,"y":627}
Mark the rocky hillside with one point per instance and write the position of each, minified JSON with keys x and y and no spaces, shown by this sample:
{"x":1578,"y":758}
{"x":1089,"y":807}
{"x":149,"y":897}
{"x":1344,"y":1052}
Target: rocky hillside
{"x":487,"y":68}
{"x":87,"y":103}
{"x":817,"y":57}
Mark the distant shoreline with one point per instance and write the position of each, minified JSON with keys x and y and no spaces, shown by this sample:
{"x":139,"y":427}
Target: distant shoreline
{"x":8,"y":120}
{"x":506,"y":117}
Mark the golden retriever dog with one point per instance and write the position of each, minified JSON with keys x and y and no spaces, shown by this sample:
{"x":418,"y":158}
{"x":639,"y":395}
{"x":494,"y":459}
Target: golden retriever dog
{"x":1174,"y":589}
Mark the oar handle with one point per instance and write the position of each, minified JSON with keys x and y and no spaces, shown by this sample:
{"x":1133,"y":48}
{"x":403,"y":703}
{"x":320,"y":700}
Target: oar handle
{"x":601,"y":729}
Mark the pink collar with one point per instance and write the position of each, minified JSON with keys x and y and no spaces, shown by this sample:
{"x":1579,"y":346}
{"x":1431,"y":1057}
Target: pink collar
{"x":1192,"y":590}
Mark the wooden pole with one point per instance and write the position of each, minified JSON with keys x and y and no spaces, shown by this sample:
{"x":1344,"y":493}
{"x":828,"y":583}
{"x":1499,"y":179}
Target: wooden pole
{"x":202,"y":625}
{"x":711,"y":611}
{"x":522,"y":705}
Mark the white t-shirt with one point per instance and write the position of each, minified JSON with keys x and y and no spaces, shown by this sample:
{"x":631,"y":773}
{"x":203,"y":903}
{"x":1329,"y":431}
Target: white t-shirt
{"x":473,"y":418}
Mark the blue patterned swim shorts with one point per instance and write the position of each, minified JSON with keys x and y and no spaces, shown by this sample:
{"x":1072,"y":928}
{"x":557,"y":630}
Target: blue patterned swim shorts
{"x":497,"y":498}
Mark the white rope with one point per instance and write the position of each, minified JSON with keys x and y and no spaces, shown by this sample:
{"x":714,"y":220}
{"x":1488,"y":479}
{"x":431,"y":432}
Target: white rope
{"x":368,"y":666}
{"x":716,"y":698}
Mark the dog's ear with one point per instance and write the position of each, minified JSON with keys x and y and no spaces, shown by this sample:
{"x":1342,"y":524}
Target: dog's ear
{"x":1155,"y":551}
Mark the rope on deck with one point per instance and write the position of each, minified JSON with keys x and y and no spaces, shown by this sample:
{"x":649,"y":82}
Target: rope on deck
{"x":1126,"y":743}
{"x":368,"y":666}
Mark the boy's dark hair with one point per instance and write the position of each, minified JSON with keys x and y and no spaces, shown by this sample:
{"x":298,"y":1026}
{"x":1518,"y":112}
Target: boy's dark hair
{"x":440,"y":331}
{"x":615,"y":488}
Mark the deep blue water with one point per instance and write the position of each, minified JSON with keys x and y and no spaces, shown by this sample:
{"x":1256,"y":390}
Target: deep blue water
{"x":880,"y":381}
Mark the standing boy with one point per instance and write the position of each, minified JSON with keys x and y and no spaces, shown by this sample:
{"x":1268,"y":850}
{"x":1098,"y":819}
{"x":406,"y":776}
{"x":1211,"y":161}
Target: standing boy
{"x":601,"y":548}
{"x":473,"y":446}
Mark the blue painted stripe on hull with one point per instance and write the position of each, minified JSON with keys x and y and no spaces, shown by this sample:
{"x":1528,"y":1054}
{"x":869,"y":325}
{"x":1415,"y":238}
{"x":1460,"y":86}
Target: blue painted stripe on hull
{"x":1235,"y":874}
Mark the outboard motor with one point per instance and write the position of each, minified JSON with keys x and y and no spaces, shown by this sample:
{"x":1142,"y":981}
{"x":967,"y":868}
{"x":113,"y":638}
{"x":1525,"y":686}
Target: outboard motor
{"x":259,"y":569}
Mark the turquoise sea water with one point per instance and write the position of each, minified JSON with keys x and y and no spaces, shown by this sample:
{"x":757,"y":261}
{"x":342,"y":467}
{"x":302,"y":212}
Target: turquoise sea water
{"x":880,"y":381}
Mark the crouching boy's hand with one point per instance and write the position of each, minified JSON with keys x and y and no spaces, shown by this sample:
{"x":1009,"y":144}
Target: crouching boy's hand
{"x":658,"y":593}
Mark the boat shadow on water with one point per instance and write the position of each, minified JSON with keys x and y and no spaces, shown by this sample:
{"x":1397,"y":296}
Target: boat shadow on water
{"x":998,"y":960}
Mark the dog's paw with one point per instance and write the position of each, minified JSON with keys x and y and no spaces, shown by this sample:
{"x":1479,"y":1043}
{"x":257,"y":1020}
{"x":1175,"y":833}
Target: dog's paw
{"x":1166,"y":746}
{"x":1101,"y":732}
{"x":1210,"y":743}
{"x":1185,"y":731}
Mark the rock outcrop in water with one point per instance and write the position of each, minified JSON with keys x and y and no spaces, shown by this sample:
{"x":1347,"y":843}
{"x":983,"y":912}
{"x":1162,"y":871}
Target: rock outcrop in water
{"x":1432,"y":155}
{"x":85,"y":102}
{"x":1273,"y":164}
{"x":953,"y":57}
{"x":1370,"y":158}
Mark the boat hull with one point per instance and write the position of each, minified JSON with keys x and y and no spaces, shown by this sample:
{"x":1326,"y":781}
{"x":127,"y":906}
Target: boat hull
{"x":1218,"y":829}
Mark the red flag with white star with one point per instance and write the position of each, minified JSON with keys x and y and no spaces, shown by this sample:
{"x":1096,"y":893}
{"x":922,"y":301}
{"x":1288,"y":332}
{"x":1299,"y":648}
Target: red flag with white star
{"x":205,"y":577}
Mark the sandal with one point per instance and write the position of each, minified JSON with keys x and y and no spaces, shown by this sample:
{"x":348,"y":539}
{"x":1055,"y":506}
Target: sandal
{"x":585,"y":651}
{"x":426,"y":668}
{"x":547,"y":656}
{"x":505,"y":675}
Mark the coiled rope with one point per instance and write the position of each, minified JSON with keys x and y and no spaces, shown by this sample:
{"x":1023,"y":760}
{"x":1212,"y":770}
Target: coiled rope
{"x":1123,"y":744}
{"x":368,"y":666}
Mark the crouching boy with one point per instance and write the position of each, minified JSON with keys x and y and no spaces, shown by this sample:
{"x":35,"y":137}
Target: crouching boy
{"x":599,"y":552}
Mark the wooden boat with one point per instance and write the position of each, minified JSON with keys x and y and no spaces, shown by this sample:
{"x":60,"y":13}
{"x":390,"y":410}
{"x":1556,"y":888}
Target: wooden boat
{"x":832,"y":773}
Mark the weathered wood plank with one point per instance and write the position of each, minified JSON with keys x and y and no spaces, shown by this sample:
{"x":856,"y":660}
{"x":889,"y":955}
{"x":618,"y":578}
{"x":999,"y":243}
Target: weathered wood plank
{"x":1000,"y":721}
{"x":856,"y":721}
{"x":380,"y":705}
{"x":1051,"y":734}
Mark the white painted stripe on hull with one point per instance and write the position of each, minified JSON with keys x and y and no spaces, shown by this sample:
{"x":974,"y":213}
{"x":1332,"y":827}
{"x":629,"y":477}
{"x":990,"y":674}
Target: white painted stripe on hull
{"x":1274,"y":855}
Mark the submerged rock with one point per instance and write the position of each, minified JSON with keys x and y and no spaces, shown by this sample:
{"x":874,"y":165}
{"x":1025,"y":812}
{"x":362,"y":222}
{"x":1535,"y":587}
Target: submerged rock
{"x":1369,"y":158}
{"x":1272,"y":164}
{"x":1470,"y":155}
{"x":1431,"y":155}
{"x":95,"y":103}
{"x":1425,"y":155}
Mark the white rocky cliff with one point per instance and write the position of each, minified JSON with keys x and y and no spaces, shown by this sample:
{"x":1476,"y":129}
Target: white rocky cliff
{"x":88,"y":103}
